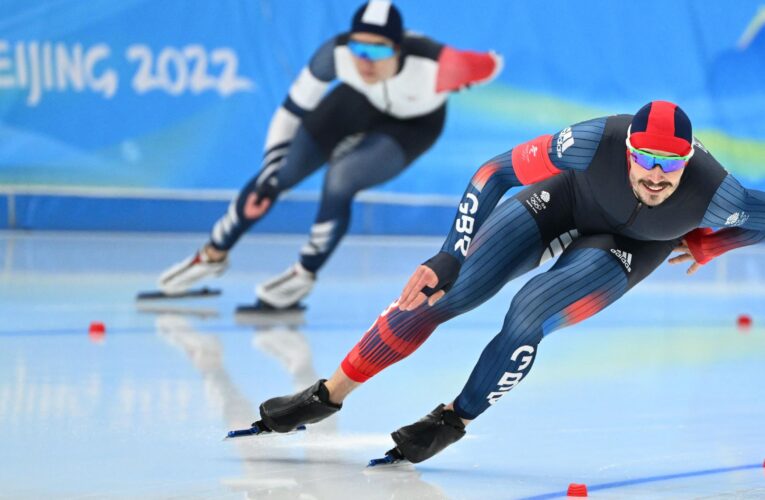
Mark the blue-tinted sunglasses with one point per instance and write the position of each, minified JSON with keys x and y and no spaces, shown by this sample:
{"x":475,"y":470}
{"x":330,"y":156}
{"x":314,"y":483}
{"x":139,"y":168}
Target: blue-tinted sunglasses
{"x":371,"y":51}
{"x":649,"y":160}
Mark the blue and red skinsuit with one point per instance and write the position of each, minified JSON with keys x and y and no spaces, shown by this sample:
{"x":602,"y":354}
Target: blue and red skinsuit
{"x":578,"y":205}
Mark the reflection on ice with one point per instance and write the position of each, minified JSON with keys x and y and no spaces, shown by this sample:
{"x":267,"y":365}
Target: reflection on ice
{"x":661,"y":385}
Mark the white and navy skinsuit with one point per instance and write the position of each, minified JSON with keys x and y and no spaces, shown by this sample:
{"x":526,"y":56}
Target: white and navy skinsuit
{"x":367,"y":134}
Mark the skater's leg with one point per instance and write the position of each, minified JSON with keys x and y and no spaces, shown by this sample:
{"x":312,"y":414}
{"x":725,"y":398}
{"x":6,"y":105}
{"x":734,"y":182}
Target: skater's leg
{"x":360,"y":161}
{"x":374,"y":159}
{"x":377,"y":158}
{"x":506,"y":246}
{"x":510,"y":246}
{"x":259,"y":194}
{"x":252,"y":203}
{"x":590,"y":275}
{"x":382,"y":153}
{"x":512,"y":241}
{"x":580,"y":284}
{"x":341,"y":113}
{"x":340,"y":385}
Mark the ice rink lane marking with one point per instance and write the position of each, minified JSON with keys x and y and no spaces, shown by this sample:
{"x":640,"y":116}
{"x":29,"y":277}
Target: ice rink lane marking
{"x":647,"y":479}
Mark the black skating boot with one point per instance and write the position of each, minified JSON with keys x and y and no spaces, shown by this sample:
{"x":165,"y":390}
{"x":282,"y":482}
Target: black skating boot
{"x":285,"y":413}
{"x":429,"y":435}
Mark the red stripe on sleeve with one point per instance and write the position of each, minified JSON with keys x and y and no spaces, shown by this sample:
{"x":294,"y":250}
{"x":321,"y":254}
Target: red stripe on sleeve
{"x":481,"y":177}
{"x":530,"y":160}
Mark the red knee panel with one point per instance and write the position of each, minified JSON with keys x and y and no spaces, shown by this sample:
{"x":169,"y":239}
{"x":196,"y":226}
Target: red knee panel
{"x":584,"y":308}
{"x":530,"y":161}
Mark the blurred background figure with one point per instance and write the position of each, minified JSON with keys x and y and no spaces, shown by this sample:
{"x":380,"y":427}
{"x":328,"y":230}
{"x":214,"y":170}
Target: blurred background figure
{"x":388,"y":108}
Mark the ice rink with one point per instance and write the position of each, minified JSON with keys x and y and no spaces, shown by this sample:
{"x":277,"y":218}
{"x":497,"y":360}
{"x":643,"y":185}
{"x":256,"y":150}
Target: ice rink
{"x":659,"y":396}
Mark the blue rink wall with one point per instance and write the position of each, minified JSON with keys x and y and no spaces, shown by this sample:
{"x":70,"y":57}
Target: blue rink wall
{"x":144,"y":116}
{"x":294,"y":214}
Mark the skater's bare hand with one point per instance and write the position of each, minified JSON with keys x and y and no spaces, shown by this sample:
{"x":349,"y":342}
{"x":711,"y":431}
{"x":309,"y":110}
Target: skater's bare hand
{"x":685,"y":256}
{"x":254,"y":208}
{"x":412,"y":296}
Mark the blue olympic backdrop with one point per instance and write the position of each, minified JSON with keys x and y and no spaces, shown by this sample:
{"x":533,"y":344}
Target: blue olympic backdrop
{"x":145,"y":115}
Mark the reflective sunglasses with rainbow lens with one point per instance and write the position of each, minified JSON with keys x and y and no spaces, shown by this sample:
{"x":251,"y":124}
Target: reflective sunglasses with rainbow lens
{"x":371,"y":51}
{"x":650,"y":160}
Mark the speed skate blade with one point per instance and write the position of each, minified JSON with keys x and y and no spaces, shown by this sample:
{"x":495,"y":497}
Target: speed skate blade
{"x":260,"y":307}
{"x":159,"y":307}
{"x":195,"y":293}
{"x":392,"y":457}
{"x":258,"y":430}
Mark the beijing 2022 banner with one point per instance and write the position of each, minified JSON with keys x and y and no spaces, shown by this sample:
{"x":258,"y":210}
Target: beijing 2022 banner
{"x":178,"y":94}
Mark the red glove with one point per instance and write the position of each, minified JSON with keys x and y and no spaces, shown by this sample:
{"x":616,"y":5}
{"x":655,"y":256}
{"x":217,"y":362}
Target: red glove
{"x":461,"y":68}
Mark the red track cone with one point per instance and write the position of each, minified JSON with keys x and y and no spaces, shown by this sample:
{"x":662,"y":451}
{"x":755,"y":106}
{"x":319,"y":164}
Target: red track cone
{"x":744,"y":322}
{"x":97,"y":331}
{"x":577,"y":490}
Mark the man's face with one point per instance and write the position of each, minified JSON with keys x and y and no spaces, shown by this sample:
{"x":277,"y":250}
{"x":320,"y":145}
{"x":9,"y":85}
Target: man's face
{"x":653,"y":187}
{"x":375,"y":71}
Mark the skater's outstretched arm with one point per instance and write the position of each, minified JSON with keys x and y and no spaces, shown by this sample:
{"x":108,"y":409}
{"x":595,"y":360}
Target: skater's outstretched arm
{"x":304,"y":95}
{"x":739,"y":211}
{"x":570,"y":149}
